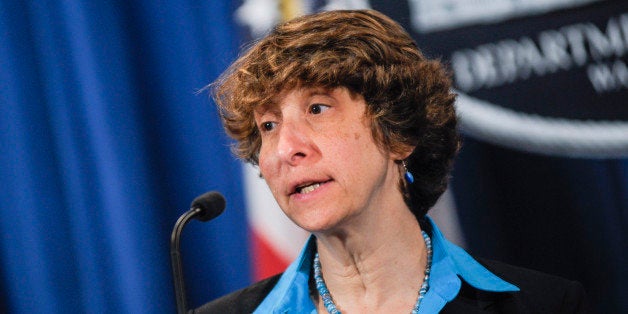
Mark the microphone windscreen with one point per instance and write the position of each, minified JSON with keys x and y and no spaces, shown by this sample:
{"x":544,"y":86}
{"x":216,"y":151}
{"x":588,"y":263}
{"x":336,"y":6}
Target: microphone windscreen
{"x":211,"y":204}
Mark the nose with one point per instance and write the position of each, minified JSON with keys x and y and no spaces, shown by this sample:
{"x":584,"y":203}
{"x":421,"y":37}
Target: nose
{"x":294,"y":145}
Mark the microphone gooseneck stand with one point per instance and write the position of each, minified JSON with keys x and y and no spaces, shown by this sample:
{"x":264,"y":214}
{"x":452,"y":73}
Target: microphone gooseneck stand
{"x":204,"y":208}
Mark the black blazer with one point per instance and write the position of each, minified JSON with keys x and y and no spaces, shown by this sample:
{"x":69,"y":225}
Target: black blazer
{"x":539,"y":293}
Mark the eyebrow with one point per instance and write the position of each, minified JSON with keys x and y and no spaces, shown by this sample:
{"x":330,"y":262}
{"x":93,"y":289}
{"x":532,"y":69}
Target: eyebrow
{"x":273,"y":106}
{"x":265,"y":108}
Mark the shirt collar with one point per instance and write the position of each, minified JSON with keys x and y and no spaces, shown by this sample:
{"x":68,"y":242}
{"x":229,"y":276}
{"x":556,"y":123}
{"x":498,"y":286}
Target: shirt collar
{"x":449,"y":263}
{"x":291,"y":294}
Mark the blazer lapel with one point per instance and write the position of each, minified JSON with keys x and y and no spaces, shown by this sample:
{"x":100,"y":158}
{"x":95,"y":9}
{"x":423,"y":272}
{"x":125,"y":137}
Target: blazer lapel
{"x":472,"y":300}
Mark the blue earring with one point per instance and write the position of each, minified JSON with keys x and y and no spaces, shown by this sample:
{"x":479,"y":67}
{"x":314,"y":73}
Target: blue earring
{"x":408,"y":175}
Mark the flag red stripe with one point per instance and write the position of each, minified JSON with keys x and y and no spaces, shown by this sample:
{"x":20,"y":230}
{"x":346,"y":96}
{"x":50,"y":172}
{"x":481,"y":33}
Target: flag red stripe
{"x":266,"y":261}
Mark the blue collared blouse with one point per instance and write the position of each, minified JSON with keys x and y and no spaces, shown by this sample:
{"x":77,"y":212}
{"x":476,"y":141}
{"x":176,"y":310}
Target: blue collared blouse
{"x":449,"y":263}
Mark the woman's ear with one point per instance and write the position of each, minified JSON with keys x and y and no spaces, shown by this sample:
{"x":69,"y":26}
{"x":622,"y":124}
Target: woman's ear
{"x":402,"y":153}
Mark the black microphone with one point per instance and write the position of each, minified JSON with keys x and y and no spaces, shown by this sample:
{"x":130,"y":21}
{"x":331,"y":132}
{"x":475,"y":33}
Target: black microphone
{"x":205,"y":207}
{"x":211,"y":204}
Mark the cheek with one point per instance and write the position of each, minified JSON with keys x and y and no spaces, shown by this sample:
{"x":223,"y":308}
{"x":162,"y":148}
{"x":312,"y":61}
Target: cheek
{"x":262,"y":161}
{"x":265,"y":162}
{"x":269,"y":171}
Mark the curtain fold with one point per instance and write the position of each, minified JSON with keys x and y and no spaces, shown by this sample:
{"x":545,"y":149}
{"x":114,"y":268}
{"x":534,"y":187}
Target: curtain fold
{"x":105,"y":141}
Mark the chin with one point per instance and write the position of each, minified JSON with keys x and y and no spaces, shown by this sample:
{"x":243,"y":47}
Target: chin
{"x":317,"y":222}
{"x":311,"y":226}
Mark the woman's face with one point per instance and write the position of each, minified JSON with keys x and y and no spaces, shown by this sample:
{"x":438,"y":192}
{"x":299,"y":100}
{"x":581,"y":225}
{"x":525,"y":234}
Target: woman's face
{"x":320,"y":160}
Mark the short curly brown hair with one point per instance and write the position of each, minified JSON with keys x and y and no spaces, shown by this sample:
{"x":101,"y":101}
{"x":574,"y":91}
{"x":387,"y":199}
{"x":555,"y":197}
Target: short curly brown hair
{"x":408,"y":97}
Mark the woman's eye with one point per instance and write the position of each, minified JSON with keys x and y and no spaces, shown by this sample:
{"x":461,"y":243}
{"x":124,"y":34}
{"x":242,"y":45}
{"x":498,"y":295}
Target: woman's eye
{"x":318,"y":108}
{"x":267,"y":126}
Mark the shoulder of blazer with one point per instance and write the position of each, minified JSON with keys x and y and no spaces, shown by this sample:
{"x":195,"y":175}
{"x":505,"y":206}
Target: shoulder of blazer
{"x":539,"y":293}
{"x":242,"y":301}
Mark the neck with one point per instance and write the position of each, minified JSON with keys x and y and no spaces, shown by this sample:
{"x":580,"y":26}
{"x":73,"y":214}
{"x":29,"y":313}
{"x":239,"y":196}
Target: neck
{"x":375,"y":266}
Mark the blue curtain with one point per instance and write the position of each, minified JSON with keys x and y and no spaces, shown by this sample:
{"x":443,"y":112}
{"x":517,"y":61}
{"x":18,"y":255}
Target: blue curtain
{"x":104,"y":143}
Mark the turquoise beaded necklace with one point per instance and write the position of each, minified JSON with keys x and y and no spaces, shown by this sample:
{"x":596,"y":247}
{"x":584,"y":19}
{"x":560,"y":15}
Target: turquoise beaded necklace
{"x":329,"y":302}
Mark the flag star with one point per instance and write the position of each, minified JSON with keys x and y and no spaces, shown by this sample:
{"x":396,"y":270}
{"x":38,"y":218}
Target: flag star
{"x":258,"y":15}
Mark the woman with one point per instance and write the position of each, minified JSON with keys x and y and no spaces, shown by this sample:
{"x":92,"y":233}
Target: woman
{"x":354,"y":131}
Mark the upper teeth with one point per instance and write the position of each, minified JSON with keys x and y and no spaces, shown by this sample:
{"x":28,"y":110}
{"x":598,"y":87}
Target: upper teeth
{"x":309,"y":188}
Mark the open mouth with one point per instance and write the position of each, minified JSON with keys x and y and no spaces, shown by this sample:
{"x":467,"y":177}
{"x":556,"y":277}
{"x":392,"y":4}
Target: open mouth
{"x":308,"y":187}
